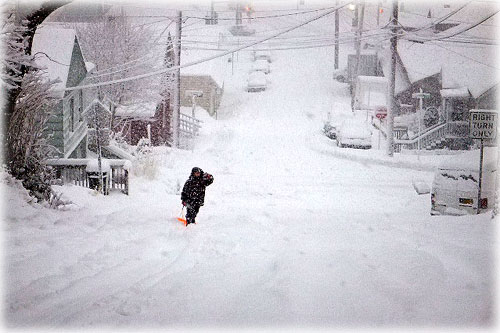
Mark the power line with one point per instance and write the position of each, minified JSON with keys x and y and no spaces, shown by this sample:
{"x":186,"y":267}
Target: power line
{"x":170,"y":69}
{"x":427,"y":39}
{"x":452,"y":20}
{"x":464,"y":56}
{"x":313,"y":44}
{"x":444,"y":18}
{"x":268,"y":16}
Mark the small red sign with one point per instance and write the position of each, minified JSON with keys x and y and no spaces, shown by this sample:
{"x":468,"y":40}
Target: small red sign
{"x":381,"y":112}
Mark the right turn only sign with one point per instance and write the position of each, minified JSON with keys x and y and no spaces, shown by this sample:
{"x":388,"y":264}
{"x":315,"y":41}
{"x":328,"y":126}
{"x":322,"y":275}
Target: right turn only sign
{"x":483,"y":124}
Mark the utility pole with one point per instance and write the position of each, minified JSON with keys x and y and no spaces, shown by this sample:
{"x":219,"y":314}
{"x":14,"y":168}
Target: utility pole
{"x":238,"y":13}
{"x":336,"y":36}
{"x":379,"y":5}
{"x":177,"y":91}
{"x":97,"y":127}
{"x":420,"y":96}
{"x":392,"y":81}
{"x":358,"y":51}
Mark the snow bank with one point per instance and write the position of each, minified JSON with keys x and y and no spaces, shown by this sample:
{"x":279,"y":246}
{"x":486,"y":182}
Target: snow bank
{"x":470,"y":160}
{"x":421,"y":186}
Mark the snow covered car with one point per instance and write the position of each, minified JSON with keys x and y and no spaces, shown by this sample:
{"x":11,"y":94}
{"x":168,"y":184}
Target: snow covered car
{"x":354,"y":133}
{"x":241,"y":30}
{"x":256,"y":82}
{"x":456,"y":182}
{"x":261,"y":66}
{"x":262,"y":55}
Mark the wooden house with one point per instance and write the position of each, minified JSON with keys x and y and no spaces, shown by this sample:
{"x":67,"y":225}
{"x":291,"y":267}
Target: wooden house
{"x":206,"y":84}
{"x":143,"y":120}
{"x":458,"y":79}
{"x":207,"y":77}
{"x":58,"y":52}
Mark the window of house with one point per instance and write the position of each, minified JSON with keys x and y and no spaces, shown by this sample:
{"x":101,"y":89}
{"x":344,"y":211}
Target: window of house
{"x":80,"y":106}
{"x":72,"y":114}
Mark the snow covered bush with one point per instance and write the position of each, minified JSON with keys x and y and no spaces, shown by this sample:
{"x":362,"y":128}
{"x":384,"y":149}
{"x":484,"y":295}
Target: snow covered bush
{"x":27,"y":104}
{"x":145,"y":165}
{"x":27,"y":145}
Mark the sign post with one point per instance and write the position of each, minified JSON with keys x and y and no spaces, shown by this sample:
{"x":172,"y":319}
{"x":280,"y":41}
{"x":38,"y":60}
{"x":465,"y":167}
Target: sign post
{"x":420,"y":96}
{"x":483,"y":125}
{"x":380,"y":113}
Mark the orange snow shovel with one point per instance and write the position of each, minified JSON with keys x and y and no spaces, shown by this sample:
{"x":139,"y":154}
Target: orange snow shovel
{"x":182,"y":219}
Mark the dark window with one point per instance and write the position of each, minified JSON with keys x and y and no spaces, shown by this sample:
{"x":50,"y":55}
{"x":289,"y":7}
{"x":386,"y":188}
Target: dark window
{"x":72,"y":114}
{"x":80,"y":106}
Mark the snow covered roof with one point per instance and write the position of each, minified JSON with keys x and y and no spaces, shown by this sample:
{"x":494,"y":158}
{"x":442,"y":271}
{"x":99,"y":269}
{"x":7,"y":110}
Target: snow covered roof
{"x":90,"y":66}
{"x":456,"y":93}
{"x":137,"y":110}
{"x":385,"y":62}
{"x":460,"y":65}
{"x":53,"y":48}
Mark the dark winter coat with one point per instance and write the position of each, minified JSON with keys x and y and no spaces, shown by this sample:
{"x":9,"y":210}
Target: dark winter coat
{"x":193,"y":192}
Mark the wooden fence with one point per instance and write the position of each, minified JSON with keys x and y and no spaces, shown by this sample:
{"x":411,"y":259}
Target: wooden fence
{"x":188,"y":125}
{"x":73,"y":171}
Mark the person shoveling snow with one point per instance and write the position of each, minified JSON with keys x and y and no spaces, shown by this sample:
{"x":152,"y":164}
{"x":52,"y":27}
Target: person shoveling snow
{"x":193,"y":192}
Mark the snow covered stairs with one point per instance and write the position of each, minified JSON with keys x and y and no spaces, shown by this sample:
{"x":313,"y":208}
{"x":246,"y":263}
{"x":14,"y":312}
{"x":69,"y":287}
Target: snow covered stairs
{"x":432,"y":138}
{"x":438,"y":144}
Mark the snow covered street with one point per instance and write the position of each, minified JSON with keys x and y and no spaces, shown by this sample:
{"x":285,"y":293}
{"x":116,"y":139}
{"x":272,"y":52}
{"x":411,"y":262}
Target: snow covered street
{"x":295,"y":232}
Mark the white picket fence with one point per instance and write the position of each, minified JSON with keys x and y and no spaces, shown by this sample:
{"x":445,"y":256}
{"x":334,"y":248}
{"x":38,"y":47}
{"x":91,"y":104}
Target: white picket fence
{"x":189,"y":127}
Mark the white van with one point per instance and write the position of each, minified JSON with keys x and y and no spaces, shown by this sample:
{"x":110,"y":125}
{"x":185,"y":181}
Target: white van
{"x":456,"y":183}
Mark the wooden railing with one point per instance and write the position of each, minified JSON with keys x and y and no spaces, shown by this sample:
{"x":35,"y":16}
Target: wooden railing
{"x":425,"y":138}
{"x":189,"y":125}
{"x":73,"y":171}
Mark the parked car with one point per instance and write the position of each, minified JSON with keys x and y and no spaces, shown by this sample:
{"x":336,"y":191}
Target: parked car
{"x":354,"y":133}
{"x":456,"y":182}
{"x":340,"y":75}
{"x":257,"y":81}
{"x":262,"y":55}
{"x":261,"y":66}
{"x":241,"y":30}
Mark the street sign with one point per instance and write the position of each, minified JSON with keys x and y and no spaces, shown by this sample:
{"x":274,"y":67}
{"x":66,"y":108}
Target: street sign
{"x":420,"y":95}
{"x":483,"y":124}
